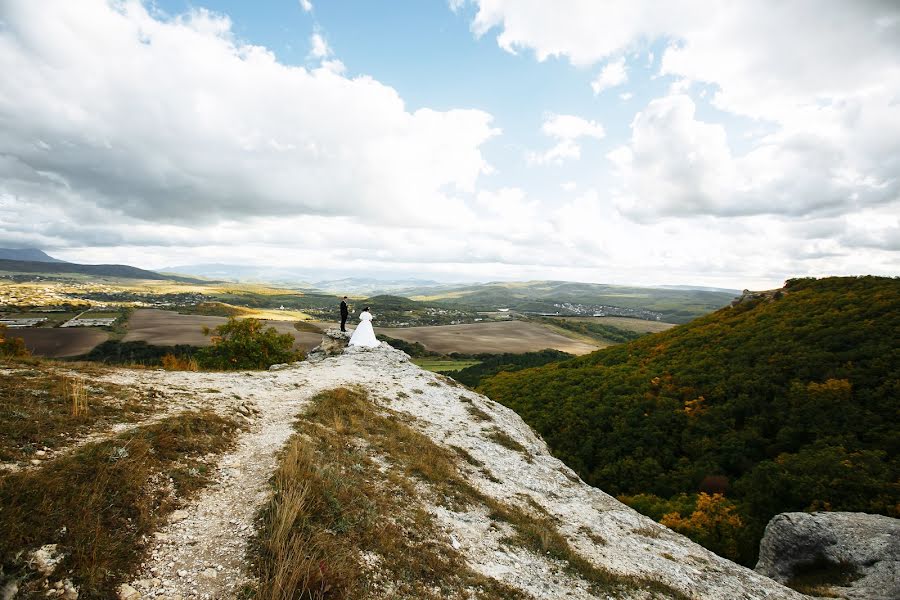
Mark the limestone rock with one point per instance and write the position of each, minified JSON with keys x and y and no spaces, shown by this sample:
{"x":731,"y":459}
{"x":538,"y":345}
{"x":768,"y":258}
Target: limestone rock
{"x":333,"y":342}
{"x":44,"y":559}
{"x":864,"y":547}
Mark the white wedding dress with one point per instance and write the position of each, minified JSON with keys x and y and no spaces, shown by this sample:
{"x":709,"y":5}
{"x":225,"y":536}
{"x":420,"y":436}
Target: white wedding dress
{"x":364,"y":335}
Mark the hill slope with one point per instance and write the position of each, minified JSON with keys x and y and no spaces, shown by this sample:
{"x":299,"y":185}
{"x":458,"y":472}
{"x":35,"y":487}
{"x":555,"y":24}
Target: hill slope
{"x":27,"y":254}
{"x":671,"y":305}
{"x":462,"y":499}
{"x":123,"y":271}
{"x":786,"y":402}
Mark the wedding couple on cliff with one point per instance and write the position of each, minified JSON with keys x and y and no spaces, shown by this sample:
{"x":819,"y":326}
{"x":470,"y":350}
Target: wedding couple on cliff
{"x":364,"y":335}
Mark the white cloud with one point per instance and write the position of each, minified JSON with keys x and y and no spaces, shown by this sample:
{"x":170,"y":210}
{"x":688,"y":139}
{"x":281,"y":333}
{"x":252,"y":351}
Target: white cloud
{"x":613,"y":74}
{"x":567,"y":130}
{"x":319,"y":47}
{"x":306,"y":5}
{"x":626,"y":96}
{"x":569,"y":186}
{"x":826,"y":83}
{"x":176,"y":121}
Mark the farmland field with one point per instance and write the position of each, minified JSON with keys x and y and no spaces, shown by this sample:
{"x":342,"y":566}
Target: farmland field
{"x":439,"y":364}
{"x":59,"y":343}
{"x":636,"y":325}
{"x":166,"y":328}
{"x":493,"y":338}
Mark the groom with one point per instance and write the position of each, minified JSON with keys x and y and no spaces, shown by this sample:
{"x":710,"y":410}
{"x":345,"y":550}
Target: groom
{"x":344,"y":314}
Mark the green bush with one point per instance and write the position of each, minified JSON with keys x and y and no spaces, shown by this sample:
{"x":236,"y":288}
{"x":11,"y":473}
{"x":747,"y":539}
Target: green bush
{"x":12,"y":346}
{"x":245,"y":344}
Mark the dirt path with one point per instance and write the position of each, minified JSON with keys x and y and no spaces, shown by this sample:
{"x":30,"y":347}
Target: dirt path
{"x":201,"y":552}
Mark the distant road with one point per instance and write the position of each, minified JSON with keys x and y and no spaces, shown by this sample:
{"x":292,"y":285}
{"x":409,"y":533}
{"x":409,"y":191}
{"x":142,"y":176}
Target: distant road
{"x":495,"y":338}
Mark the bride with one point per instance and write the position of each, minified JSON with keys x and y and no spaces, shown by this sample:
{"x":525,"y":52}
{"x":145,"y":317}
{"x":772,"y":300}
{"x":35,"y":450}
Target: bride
{"x":364,"y":335}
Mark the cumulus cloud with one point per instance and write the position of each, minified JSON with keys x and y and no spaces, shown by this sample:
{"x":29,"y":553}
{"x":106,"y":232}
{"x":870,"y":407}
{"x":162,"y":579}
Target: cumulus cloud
{"x":306,"y":5}
{"x":678,"y":165}
{"x":566,"y":130}
{"x":613,"y":74}
{"x":175,"y":120}
{"x":826,"y":81}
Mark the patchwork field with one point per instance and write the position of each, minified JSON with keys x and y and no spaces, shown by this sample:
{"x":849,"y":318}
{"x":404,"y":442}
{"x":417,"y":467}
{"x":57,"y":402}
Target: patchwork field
{"x":166,"y":328}
{"x":60,"y":343}
{"x":495,"y":338}
{"x":636,"y":325}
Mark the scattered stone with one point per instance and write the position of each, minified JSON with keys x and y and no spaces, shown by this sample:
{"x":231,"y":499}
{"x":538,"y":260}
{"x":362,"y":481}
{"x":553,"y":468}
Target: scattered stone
{"x":209,"y":574}
{"x":178,"y":515}
{"x":70,"y":592}
{"x":44,"y":559}
{"x":40,"y":453}
{"x":859,"y":552}
{"x":126,"y":592}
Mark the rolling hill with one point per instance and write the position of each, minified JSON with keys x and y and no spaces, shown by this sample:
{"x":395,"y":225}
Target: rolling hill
{"x":118,"y":271}
{"x":785,"y":401}
{"x":571,"y":298}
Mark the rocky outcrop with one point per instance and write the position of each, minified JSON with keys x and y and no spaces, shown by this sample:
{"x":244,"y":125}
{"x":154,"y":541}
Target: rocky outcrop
{"x":851,"y":555}
{"x":499,"y":456}
{"x":333,"y":343}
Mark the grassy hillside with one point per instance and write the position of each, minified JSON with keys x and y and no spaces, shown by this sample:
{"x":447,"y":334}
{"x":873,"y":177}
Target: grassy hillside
{"x":672,"y":305}
{"x":787,"y":402}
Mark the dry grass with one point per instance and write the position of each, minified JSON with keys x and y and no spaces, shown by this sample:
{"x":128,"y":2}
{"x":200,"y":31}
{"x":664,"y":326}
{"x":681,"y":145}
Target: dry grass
{"x":345,"y":525}
{"x":505,"y":440}
{"x":338,"y":527}
{"x":100,"y":501}
{"x":41,"y":408}
{"x":76,"y":394}
{"x":477,"y":413}
{"x":170,"y":362}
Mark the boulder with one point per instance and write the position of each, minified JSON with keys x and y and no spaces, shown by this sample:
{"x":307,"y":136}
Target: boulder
{"x":842,"y":554}
{"x":333,"y":342}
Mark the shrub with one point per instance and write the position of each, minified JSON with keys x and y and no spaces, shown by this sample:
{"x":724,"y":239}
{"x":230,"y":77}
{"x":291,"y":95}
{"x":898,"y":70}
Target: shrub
{"x":245,"y":344}
{"x":12,"y":346}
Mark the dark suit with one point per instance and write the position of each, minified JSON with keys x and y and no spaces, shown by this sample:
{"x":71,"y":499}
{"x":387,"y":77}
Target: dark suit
{"x":344,"y":314}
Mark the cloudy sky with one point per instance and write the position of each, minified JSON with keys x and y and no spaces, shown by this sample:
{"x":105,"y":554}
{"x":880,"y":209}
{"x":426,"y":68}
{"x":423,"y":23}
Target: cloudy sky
{"x":731,"y":143}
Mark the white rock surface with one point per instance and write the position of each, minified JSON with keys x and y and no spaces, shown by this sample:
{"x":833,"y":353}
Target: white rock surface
{"x":214,"y":530}
{"x":868,"y":543}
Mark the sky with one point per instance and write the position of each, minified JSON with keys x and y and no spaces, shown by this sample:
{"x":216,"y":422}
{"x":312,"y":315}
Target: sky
{"x":696,"y":142}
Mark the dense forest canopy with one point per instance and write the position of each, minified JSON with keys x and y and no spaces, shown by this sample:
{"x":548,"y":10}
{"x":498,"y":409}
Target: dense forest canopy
{"x":779,"y":403}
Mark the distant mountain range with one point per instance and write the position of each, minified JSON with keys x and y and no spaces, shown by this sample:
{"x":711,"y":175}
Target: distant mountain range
{"x":38,"y":262}
{"x":27,"y":254}
{"x":315,"y":279}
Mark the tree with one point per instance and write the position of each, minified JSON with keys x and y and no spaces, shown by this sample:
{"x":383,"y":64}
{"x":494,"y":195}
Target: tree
{"x":245,"y":344}
{"x":714,"y":523}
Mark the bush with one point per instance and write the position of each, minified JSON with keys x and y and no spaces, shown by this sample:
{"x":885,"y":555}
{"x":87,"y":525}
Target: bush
{"x":244,"y":344}
{"x":12,"y":346}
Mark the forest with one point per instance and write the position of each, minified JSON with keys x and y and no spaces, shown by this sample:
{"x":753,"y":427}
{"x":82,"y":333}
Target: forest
{"x":784,"y":402}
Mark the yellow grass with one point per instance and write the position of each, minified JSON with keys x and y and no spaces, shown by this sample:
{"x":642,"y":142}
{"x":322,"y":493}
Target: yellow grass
{"x":272,"y":314}
{"x":76,"y":395}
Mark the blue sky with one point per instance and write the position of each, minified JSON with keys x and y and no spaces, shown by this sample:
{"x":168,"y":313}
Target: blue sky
{"x":729,"y":144}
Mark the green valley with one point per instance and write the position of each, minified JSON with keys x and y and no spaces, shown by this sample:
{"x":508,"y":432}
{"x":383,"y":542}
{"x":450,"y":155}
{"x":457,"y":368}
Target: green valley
{"x":784,"y":401}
